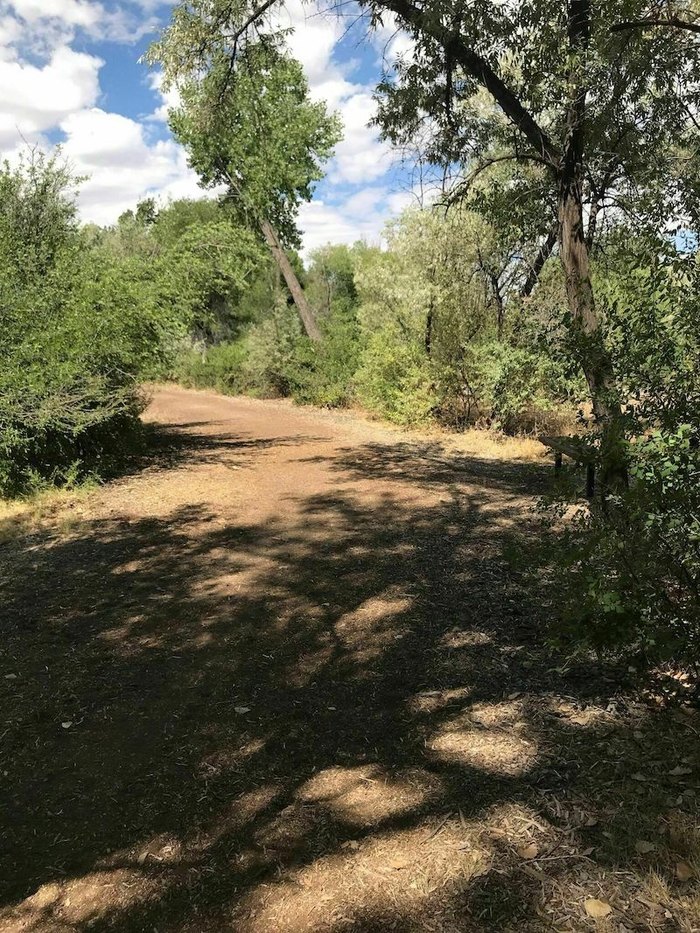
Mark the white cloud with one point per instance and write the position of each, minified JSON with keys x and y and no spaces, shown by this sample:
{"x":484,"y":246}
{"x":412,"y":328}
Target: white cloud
{"x":71,"y":12}
{"x":34,"y":99}
{"x":57,"y":91}
{"x":170,"y":99}
{"x":363,"y":215}
{"x":361,"y":156}
{"x":322,"y":223}
{"x":392,"y":42}
{"x":49,"y":23}
{"x":121,"y":165}
{"x":10,"y":32}
{"x":314,"y":35}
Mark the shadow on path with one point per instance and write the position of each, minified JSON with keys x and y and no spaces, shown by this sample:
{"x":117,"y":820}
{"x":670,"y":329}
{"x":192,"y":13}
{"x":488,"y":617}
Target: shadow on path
{"x":219,"y":725}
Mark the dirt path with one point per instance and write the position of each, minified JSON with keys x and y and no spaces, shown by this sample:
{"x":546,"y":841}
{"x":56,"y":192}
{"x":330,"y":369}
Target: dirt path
{"x":284,"y":679}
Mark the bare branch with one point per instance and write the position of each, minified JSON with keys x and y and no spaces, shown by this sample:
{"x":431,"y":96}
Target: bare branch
{"x":673,"y":23}
{"x":537,"y":266}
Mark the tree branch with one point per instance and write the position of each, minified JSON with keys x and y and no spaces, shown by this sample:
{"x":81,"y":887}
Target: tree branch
{"x":479,"y":69}
{"x":251,"y":20}
{"x":545,"y":251}
{"x":673,"y":23}
{"x":462,"y":187}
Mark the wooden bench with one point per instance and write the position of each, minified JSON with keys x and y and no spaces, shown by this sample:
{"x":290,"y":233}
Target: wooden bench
{"x":576,"y":449}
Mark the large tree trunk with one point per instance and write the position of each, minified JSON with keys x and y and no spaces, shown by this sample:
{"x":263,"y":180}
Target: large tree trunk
{"x":595,"y":360}
{"x":587,"y":333}
{"x":293,"y":283}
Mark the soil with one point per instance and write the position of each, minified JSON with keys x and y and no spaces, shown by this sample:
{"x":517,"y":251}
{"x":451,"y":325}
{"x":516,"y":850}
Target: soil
{"x":284,"y":677}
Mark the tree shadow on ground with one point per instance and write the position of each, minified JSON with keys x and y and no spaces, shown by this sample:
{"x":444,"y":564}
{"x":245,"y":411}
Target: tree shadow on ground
{"x":343,"y":721}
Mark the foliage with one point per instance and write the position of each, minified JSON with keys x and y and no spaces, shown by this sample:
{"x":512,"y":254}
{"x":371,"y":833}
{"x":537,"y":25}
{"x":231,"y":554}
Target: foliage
{"x":252,"y":128}
{"x":324,"y":374}
{"x":395,"y":380}
{"x":434,"y":303}
{"x":193,"y":260}
{"x":75,"y":335}
{"x":631,"y":571}
{"x":219,"y":367}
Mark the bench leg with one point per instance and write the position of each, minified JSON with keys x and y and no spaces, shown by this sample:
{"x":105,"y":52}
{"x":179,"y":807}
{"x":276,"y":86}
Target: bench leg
{"x":558,"y":463}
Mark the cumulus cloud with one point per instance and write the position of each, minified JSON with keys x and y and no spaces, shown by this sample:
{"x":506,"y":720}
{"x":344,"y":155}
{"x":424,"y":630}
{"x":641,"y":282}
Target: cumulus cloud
{"x":362,"y":215}
{"x":35,"y":99}
{"x":72,"y":12}
{"x":48,"y":23}
{"x":121,"y":165}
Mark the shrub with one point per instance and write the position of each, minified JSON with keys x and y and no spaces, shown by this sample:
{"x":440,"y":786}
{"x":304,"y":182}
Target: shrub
{"x":220,"y":367}
{"x":76,"y":333}
{"x":629,"y":577}
{"x":271,"y":346}
{"x":629,"y":568}
{"x":323,"y":374}
{"x":395,"y":380}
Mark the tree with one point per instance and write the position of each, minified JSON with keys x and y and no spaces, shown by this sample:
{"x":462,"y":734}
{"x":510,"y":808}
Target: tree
{"x":193,"y":258}
{"x":597,"y":110}
{"x":249,"y":125}
{"x":562,"y":86}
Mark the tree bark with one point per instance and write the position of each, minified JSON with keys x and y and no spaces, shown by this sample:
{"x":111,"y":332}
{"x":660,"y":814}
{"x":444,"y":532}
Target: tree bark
{"x":595,"y":360}
{"x":575,"y":258}
{"x":500,"y":304}
{"x":293,"y":283}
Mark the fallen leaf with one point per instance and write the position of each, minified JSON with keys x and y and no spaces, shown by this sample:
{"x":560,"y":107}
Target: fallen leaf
{"x":241,"y":709}
{"x":680,"y":771}
{"x":597,"y":909}
{"x":529,"y":852}
{"x":514,"y":696}
{"x":592,"y":821}
{"x":351,"y":844}
{"x":643,"y":847}
{"x":639,"y":777}
{"x":10,"y":676}
{"x":66,"y":725}
{"x":684,"y":872}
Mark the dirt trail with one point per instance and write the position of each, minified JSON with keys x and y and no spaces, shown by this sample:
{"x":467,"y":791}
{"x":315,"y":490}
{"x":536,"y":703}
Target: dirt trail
{"x":284,"y":679}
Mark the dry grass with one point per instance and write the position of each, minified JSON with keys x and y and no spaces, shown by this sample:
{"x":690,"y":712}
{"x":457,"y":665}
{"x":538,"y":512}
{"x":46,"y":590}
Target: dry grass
{"x":58,"y":509}
{"x":491,"y":445}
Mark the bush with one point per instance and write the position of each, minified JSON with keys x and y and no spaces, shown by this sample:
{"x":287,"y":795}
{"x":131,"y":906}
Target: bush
{"x":395,"y":380}
{"x":323,"y":374}
{"x":271,"y":346}
{"x":628,"y":577}
{"x":628,"y":569}
{"x":220,"y":367}
{"x":76,"y":334}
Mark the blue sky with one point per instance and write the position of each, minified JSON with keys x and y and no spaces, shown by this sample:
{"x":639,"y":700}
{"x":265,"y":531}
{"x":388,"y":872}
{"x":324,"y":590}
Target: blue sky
{"x":70,"y":74}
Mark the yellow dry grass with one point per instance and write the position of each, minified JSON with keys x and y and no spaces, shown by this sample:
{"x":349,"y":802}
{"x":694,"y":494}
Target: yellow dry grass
{"x":57,"y":509}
